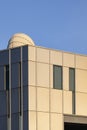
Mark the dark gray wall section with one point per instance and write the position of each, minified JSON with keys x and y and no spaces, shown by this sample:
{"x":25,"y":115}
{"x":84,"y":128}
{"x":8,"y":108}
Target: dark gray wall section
{"x":15,"y":121}
{"x":25,"y":120}
{"x":3,"y":123}
{"x":25,"y":73}
{"x":15,"y":55}
{"x":1,"y":78}
{"x":25,"y":98}
{"x":25,"y":53}
{"x":15,"y":93}
{"x":3,"y":103}
{"x":15,"y":100}
{"x":4,"y":57}
{"x":15,"y":75}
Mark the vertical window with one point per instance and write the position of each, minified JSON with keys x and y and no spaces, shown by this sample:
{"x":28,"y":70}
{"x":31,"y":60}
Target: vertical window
{"x":6,"y":81}
{"x":72,"y":87}
{"x":57,"y":77}
{"x":6,"y":77}
{"x":71,"y":79}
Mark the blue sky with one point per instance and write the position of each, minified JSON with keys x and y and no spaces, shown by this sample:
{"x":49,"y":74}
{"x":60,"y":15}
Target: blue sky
{"x":58,"y":24}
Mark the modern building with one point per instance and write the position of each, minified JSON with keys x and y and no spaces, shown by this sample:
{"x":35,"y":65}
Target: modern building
{"x":40,"y":88}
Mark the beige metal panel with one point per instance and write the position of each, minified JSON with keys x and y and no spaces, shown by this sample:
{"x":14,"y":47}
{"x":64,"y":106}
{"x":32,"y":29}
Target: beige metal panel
{"x":51,"y":76}
{"x":56,"y":57}
{"x":42,"y":75}
{"x":56,"y":101}
{"x":31,"y":53}
{"x":56,"y":121}
{"x":81,"y":62}
{"x":65,"y":78}
{"x":43,"y":121}
{"x":32,"y":120}
{"x":42,"y":55}
{"x":31,"y":72}
{"x":67,"y":102}
{"x":68,"y":60}
{"x":42,"y":99}
{"x":81,"y":104}
{"x":32,"y":98}
{"x":81,"y":80}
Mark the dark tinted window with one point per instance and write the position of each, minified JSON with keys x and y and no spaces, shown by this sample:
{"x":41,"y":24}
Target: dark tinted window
{"x":71,"y":79}
{"x":57,"y":77}
{"x":72,"y":87}
{"x":6,"y":77}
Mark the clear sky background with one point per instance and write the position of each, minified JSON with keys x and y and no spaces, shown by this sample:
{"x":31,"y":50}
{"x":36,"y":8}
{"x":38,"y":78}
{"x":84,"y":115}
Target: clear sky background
{"x":58,"y":24}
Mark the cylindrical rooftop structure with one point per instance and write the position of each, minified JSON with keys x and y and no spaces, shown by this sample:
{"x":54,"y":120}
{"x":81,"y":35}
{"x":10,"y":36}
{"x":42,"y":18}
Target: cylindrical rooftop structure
{"x":20,"y":39}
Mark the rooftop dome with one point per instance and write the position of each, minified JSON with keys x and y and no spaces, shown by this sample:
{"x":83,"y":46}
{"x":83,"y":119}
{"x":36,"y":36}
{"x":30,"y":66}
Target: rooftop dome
{"x":20,"y":39}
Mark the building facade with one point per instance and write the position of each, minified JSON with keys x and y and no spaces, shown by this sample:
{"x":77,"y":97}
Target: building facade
{"x":40,"y":88}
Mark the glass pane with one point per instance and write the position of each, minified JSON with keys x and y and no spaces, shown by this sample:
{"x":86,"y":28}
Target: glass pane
{"x":4,"y":57}
{"x":71,"y":79}
{"x":15,"y":121}
{"x":3,"y":103}
{"x":15,"y":100}
{"x":1,"y":78}
{"x":15,"y":75}
{"x":16,"y":55}
{"x":3,"y":123}
{"x":57,"y":77}
{"x":25,"y":120}
{"x":73,"y":102}
{"x":25,"y":53}
{"x":25,"y":73}
{"x":7,"y":77}
{"x":25,"y":98}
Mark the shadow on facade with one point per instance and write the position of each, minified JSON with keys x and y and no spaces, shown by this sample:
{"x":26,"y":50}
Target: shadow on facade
{"x":75,"y":126}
